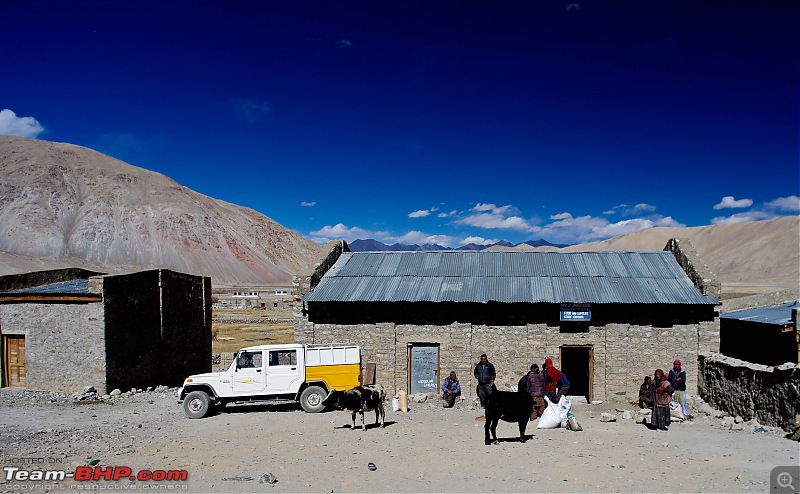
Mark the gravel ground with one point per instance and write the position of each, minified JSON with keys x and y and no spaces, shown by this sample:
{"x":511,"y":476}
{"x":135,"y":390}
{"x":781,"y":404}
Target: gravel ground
{"x":280,"y":448}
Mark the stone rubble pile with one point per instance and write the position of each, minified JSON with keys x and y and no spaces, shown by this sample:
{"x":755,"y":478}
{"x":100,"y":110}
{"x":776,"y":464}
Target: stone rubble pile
{"x":87,"y":395}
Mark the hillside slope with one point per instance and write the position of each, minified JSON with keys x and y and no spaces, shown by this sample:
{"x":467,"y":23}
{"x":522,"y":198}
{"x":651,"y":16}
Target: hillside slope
{"x":65,"y":205}
{"x":748,"y":255}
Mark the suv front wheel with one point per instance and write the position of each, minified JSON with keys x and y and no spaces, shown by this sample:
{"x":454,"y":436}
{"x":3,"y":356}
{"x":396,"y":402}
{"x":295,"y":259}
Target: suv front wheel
{"x":196,"y":404}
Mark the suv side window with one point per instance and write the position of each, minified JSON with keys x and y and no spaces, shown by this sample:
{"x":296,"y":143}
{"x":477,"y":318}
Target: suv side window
{"x":282,"y":357}
{"x":249,"y":360}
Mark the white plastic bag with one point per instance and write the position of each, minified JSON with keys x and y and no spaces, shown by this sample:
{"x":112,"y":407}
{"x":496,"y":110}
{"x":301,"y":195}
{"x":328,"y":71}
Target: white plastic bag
{"x":675,"y":411}
{"x":564,"y":405}
{"x":550,"y":418}
{"x":396,"y":403}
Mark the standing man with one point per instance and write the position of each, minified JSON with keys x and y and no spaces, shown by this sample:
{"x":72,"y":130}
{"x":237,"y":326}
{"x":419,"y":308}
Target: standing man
{"x":484,"y":374}
{"x":556,"y":383}
{"x":451,"y":389}
{"x":677,"y":378}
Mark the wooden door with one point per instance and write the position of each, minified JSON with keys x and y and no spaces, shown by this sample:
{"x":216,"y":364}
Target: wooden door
{"x":14,"y":360}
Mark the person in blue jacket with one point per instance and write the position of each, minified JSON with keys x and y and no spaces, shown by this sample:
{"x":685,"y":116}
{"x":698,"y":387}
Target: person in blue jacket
{"x":451,"y":389}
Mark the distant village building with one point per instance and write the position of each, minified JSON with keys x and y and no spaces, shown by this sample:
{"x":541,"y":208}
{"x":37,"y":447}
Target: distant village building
{"x":253,"y":297}
{"x":65,"y":329}
{"x":605,"y":318}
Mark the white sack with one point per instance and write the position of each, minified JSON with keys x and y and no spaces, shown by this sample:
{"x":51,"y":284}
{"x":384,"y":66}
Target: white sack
{"x":550,"y":418}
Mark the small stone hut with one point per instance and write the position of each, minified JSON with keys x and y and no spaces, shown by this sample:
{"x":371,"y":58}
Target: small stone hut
{"x":762,"y":335}
{"x":65,"y":329}
{"x":606,"y":319}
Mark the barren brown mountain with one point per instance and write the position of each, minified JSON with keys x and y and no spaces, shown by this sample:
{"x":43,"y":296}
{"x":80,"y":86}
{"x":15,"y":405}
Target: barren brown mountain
{"x":749,"y":257}
{"x":65,"y":205}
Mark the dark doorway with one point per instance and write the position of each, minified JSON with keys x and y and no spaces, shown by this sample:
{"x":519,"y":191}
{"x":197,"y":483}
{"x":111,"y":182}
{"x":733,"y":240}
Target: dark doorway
{"x":576,"y":364}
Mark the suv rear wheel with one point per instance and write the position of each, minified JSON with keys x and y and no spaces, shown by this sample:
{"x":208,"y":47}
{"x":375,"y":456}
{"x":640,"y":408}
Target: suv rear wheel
{"x":311,"y":399}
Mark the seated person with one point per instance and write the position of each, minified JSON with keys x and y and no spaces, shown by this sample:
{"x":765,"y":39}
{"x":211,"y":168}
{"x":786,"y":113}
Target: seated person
{"x":450,"y":389}
{"x":646,"y":392}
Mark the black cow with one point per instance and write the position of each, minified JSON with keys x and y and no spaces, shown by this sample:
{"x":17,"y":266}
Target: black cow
{"x":359,"y":400}
{"x":509,"y":406}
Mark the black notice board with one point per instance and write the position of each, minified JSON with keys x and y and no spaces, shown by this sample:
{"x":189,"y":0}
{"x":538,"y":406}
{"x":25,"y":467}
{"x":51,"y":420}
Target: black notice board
{"x":424,"y":369}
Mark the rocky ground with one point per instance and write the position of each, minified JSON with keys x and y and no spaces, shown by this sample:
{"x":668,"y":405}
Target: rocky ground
{"x":279,"y":448}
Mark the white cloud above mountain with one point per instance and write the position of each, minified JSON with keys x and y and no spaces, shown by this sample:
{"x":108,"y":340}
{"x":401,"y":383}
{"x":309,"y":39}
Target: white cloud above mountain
{"x":11,"y":124}
{"x":728,"y":202}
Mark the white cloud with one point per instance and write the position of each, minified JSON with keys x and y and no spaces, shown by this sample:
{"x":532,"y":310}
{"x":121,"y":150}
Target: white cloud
{"x":729,"y":202}
{"x":337,"y":232}
{"x":491,"y":216}
{"x":308,"y":204}
{"x":478,"y":241}
{"x":588,"y":228}
{"x":491,"y":207}
{"x":447,"y":215}
{"x":626,"y":210}
{"x":742,"y":217}
{"x":632,"y":225}
{"x":421,"y":238}
{"x":419,"y":214}
{"x":11,"y":124}
{"x":561,"y":216}
{"x":492,"y":221}
{"x":345,"y":43}
{"x":768,"y":210}
{"x":789,"y":204}
{"x":642,"y":207}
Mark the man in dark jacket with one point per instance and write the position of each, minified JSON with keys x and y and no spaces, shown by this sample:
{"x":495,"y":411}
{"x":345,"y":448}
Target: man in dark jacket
{"x":484,"y":374}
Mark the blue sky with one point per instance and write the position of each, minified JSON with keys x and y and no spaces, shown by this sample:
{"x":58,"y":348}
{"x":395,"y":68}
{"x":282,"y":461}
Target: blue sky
{"x":440,"y":121}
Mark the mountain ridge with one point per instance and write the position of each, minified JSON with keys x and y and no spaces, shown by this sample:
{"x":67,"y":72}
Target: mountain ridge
{"x":63,"y":205}
{"x":67,"y":205}
{"x":756,"y":255}
{"x":372,"y":245}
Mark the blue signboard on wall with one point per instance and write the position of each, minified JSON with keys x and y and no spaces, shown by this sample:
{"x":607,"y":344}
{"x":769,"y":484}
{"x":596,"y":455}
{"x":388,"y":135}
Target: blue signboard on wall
{"x":576,"y":312}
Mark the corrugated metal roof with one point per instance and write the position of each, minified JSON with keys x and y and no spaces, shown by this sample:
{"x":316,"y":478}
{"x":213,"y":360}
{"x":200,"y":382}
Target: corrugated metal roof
{"x":71,"y":287}
{"x":779,"y":315}
{"x":468,"y":276}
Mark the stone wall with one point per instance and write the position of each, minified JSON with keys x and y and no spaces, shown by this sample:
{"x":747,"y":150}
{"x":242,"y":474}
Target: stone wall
{"x":64,"y":344}
{"x":771,"y":395}
{"x":695,"y":268}
{"x":622,"y":354}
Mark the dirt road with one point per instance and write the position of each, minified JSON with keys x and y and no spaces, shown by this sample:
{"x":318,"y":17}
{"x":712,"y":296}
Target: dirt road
{"x":428,"y":449}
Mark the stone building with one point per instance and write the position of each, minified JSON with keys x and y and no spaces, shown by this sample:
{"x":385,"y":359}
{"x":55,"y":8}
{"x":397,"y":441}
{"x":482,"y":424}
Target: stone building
{"x":65,"y":329}
{"x":606,"y":319}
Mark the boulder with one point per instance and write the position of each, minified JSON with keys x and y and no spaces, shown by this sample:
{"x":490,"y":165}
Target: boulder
{"x":608,"y":417}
